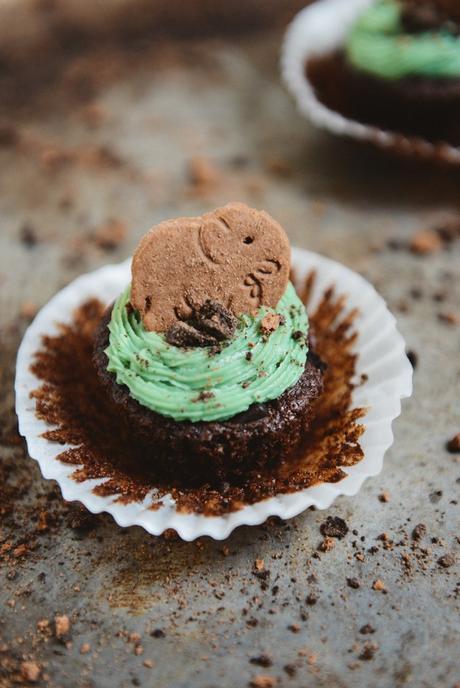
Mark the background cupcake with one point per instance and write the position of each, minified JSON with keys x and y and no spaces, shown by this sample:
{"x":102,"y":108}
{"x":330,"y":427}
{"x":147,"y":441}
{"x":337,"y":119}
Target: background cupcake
{"x":399,"y":70}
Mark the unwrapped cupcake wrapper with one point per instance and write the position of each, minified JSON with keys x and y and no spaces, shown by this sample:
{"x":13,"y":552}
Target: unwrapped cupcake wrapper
{"x":320,"y":29}
{"x":381,"y":356}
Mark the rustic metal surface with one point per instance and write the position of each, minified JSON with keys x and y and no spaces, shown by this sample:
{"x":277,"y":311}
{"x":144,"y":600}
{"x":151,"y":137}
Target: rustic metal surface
{"x":115,"y":137}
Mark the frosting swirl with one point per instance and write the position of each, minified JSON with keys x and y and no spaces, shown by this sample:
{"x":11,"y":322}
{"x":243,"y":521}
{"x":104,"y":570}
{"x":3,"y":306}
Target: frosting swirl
{"x":377,"y":44}
{"x":197,"y":384}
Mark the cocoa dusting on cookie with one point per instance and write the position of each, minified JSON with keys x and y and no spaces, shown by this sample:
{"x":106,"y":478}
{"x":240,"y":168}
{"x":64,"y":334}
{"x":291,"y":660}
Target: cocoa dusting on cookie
{"x":235,"y":255}
{"x":71,"y":400}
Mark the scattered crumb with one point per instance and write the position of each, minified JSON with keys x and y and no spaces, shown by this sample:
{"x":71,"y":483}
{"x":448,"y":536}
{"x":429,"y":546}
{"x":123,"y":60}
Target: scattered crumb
{"x":157,"y":633}
{"x":20,"y":550}
{"x":62,"y":626}
{"x":435,"y":496}
{"x":262,"y":660}
{"x":202,"y":173}
{"x":453,"y":445}
{"x":379,"y":585}
{"x":28,"y":310}
{"x":425,"y":242}
{"x":148,"y":663}
{"x":334,"y":527}
{"x":419,"y":531}
{"x":110,"y":235}
{"x":449,"y":318}
{"x":294,"y":628}
{"x":446,"y":560}
{"x":326,"y":545}
{"x":367,"y":629}
{"x":28,"y":235}
{"x":384,"y":496}
{"x":30,"y":671}
{"x":262,"y":681}
{"x":369,"y":650}
{"x":259,"y":565}
{"x":42,"y":523}
{"x":353,"y":583}
{"x":85,"y":648}
{"x":448,"y":228}
{"x":290,"y":669}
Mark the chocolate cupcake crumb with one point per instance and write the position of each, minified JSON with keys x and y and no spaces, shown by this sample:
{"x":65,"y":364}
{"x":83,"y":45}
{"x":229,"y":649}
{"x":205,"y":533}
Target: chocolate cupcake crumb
{"x":335,"y":527}
{"x":209,"y":325}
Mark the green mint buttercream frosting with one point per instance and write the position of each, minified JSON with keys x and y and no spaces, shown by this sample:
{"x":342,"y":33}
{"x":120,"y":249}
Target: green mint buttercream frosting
{"x":197,"y":384}
{"x":377,"y":44}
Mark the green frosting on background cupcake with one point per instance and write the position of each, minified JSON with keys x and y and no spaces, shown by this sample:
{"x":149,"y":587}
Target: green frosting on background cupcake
{"x":377,"y":44}
{"x":198,"y":384}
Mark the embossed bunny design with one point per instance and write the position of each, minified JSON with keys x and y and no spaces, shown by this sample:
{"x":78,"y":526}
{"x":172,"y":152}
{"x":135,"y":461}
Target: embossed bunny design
{"x":235,"y":255}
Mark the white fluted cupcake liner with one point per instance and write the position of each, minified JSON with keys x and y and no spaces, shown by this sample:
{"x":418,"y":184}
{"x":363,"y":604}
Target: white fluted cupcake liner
{"x":381,"y":356}
{"x":319,"y":29}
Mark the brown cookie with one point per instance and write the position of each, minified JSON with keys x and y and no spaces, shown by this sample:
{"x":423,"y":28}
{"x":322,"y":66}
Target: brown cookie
{"x":235,"y":255}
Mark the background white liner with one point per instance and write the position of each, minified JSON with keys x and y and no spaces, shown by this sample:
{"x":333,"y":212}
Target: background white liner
{"x":320,"y":29}
{"x":381,"y":354}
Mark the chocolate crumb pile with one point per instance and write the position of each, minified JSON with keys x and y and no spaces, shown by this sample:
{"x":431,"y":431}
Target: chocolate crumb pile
{"x":209,"y":325}
{"x":72,"y":402}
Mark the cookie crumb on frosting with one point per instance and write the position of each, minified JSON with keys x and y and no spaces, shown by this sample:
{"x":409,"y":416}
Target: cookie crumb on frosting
{"x":271,"y":322}
{"x":208,"y":325}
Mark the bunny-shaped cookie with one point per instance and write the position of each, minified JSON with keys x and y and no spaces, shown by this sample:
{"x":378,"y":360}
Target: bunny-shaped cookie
{"x":235,"y":255}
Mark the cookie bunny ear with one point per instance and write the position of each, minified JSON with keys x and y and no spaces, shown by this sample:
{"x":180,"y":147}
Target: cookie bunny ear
{"x":213,"y":236}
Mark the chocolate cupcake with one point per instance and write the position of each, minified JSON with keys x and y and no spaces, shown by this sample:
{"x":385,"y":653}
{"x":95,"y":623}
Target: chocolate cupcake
{"x":207,"y":354}
{"x":399,"y":70}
